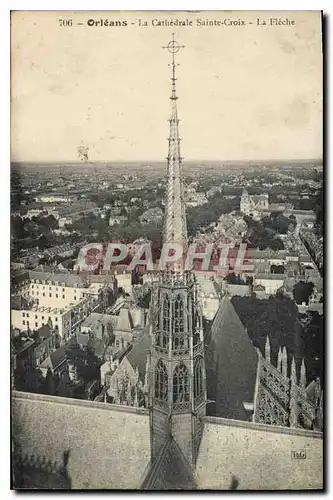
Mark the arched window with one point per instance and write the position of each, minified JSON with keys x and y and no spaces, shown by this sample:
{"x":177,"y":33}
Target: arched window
{"x":196,"y":327}
{"x":181,"y":391}
{"x":164,"y":337}
{"x":161,"y":381}
{"x":179,"y":338}
{"x":198,"y":385}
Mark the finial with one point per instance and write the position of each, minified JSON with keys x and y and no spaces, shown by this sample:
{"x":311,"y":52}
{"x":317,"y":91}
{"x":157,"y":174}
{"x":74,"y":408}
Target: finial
{"x":293,"y":372}
{"x":303,"y":375}
{"x":317,"y":391}
{"x":284,"y":362}
{"x":147,"y":373}
{"x":268,"y":350}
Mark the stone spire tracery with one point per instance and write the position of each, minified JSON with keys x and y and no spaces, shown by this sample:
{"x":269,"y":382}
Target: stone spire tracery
{"x":177,"y":387}
{"x":175,"y":229}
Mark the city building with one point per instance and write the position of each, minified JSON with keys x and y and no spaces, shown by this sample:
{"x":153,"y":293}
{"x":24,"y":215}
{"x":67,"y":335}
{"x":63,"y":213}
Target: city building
{"x":59,"y":251}
{"x":259,"y":205}
{"x":117,"y":219}
{"x":123,"y":279}
{"x":38,"y":316}
{"x":253,"y":203}
{"x":58,"y":289}
{"x":52,"y":198}
{"x":195,"y":199}
{"x":151,"y":215}
{"x":63,"y":221}
{"x":56,"y":362}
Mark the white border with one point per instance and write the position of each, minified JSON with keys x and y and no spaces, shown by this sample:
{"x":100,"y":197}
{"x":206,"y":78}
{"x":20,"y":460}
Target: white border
{"x":6,"y":6}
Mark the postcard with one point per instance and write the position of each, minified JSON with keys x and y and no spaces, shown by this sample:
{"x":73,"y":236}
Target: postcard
{"x":167,"y":320}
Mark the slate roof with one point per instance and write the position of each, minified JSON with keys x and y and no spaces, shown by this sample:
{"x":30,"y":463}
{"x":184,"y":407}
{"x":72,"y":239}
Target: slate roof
{"x":55,"y":359}
{"x":94,"y":319}
{"x":70,"y":279}
{"x":44,"y":332}
{"x":125,"y":321}
{"x":99,"y":348}
{"x":231,"y":364}
{"x":83,"y":339}
{"x":138,"y":354}
{"x":18,"y":302}
{"x":170,"y":470}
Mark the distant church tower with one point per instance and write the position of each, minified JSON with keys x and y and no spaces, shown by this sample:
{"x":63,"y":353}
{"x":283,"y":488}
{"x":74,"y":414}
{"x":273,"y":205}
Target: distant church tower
{"x":177,"y":388}
{"x":245,"y":202}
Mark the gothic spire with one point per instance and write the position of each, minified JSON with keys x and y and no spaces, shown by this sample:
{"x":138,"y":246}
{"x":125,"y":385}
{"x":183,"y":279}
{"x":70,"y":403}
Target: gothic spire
{"x":268,"y":349}
{"x":175,"y":220}
{"x":303,"y":375}
{"x":284,"y":361}
{"x":293,"y":376}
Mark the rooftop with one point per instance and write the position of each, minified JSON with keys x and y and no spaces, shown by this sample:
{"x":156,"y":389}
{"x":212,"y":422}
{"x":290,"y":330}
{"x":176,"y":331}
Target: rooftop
{"x":102,"y":454}
{"x":255,"y":457}
{"x":231,"y":364}
{"x":170,"y":470}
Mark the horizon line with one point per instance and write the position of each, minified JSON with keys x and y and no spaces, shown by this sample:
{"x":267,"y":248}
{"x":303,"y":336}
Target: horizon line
{"x":227,"y":162}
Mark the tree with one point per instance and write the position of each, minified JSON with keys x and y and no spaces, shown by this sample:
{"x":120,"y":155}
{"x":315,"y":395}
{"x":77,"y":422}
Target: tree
{"x":276,"y":317}
{"x":85,"y":362}
{"x":302,"y":292}
{"x":64,"y":388}
{"x":49,"y":222}
{"x":277,"y":269}
{"x":231,"y":278}
{"x":276,"y":244}
{"x":110,"y":333}
{"x":18,"y":228}
{"x":49,"y":384}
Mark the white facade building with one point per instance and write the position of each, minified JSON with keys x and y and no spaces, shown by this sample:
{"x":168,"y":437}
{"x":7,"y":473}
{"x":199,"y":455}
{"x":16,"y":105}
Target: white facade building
{"x":253,"y":203}
{"x":39,"y":316}
{"x":56,"y":294}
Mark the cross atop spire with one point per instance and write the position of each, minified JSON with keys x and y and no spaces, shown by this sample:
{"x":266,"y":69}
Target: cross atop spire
{"x":173,"y":47}
{"x":175,"y":220}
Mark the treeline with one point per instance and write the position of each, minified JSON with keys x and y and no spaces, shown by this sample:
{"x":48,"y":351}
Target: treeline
{"x":278,"y":318}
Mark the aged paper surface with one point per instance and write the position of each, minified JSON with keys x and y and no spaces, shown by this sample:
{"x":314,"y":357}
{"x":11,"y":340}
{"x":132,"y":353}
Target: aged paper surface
{"x":132,"y":131}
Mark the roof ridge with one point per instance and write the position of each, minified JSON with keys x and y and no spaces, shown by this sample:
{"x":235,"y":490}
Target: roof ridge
{"x":226,"y":306}
{"x":162,"y":474}
{"x":229,"y":347}
{"x":150,"y":477}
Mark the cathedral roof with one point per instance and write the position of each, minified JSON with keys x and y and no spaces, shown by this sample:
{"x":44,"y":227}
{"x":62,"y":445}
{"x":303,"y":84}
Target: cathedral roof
{"x":231,"y":364}
{"x":236,"y":455}
{"x":170,"y":470}
{"x":109,"y":444}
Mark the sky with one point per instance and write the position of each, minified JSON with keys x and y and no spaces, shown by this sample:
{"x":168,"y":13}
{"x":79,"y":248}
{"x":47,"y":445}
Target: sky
{"x":246,"y":93}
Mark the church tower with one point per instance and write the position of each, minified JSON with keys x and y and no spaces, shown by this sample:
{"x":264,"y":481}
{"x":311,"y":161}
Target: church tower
{"x":177,"y":394}
{"x":245,"y":202}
